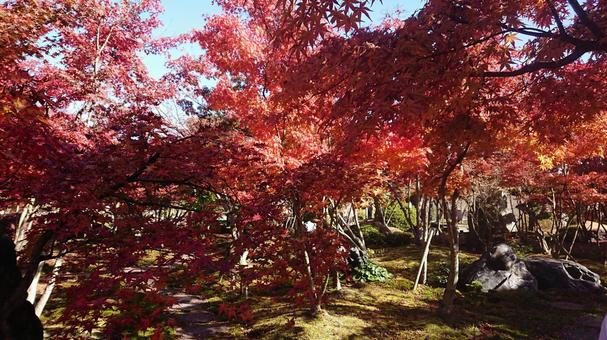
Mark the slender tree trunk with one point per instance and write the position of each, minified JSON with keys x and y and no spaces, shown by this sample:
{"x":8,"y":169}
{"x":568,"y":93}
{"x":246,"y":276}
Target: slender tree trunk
{"x":337,"y":281}
{"x":451,"y":218}
{"x":243,"y":264}
{"x":316,"y":307}
{"x":379,"y":218}
{"x":449,"y":294}
{"x":424,"y":262}
{"x":358,"y":229}
{"x":301,"y":233}
{"x":32,"y":290}
{"x":49,"y":288}
{"x":24,"y":224}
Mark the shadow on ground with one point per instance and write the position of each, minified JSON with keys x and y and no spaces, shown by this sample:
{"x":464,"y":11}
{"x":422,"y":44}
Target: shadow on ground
{"x":391,"y":310}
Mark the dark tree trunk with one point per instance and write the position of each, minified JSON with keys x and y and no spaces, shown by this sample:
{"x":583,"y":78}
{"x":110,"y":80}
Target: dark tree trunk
{"x":301,"y":233}
{"x":451,"y":217}
{"x":379,"y":219}
{"x":18,"y":319}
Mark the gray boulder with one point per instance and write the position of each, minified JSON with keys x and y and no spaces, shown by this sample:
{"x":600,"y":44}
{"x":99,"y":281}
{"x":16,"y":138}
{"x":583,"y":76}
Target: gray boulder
{"x":517,"y":277}
{"x":563,"y":274}
{"x":498,"y":270}
{"x":501,"y":257}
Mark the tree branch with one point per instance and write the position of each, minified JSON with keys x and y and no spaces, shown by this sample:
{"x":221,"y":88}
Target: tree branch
{"x":132,"y":177}
{"x":585,"y":19}
{"x":536,"y":66}
{"x":557,"y":19}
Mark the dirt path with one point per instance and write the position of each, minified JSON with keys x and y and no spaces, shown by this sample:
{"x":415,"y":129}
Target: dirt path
{"x":194,"y":321}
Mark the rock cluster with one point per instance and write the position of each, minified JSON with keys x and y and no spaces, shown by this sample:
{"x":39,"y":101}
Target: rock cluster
{"x":500,"y":270}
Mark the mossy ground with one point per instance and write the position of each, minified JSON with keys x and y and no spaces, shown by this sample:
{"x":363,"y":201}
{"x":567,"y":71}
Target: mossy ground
{"x":391,"y":310}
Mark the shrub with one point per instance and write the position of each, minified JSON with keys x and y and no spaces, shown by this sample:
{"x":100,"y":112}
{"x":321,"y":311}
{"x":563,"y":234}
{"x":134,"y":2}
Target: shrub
{"x":370,"y":272}
{"x":441,"y":275}
{"x":475,"y":286}
{"x":522,"y":250}
{"x":399,"y":239}
{"x":373,"y":237}
{"x":398,"y":219}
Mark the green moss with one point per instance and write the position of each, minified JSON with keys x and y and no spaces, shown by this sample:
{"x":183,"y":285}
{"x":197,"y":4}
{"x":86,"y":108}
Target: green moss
{"x":373,"y":237}
{"x":391,"y":310}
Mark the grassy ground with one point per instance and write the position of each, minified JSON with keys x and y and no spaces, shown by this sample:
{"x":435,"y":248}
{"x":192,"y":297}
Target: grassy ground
{"x":391,"y":310}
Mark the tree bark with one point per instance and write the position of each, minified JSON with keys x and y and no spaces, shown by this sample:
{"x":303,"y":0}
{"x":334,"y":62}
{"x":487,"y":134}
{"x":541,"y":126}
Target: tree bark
{"x":451,"y":218}
{"x":301,"y":234}
{"x":337,"y":281}
{"x":379,"y":218}
{"x":49,"y":288}
{"x":33,"y":288}
{"x":424,"y":262}
{"x":449,"y":294}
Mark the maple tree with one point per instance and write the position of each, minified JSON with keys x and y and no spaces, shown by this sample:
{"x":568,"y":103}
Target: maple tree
{"x":308,"y":114}
{"x":96,"y":158}
{"x":451,"y":56}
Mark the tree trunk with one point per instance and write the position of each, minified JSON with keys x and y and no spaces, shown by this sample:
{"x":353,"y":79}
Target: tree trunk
{"x":243,"y":264}
{"x":378,"y":218}
{"x":301,"y":234}
{"x":49,"y":288}
{"x":424,"y":262}
{"x":449,"y":294}
{"x":337,"y":281}
{"x":451,"y":218}
{"x":33,"y":288}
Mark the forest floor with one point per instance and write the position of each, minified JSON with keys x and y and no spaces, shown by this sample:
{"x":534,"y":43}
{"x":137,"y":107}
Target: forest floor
{"x":391,"y":310}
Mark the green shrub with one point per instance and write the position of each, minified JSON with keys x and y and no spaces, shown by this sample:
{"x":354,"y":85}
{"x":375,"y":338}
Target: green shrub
{"x":399,"y":239}
{"x":397,"y":217}
{"x":370,"y":272}
{"x":475,"y":286}
{"x":441,"y":275}
{"x":373,"y":237}
{"x":522,"y":250}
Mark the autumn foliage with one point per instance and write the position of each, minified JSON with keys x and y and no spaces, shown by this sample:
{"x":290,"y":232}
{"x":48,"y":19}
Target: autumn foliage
{"x":307,"y":113}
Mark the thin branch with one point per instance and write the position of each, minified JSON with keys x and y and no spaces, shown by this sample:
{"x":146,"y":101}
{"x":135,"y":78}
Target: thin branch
{"x":150,"y":203}
{"x":557,"y":19}
{"x":134,"y":176}
{"x":585,"y":19}
{"x":536,"y":66}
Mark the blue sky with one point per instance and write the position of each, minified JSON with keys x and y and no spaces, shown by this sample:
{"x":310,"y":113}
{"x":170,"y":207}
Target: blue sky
{"x":181,"y":16}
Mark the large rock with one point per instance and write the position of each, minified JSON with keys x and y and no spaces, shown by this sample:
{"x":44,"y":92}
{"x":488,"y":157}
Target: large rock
{"x":499,"y":270}
{"x":563,"y":274}
{"x":515,"y":278}
{"x":501,"y":257}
